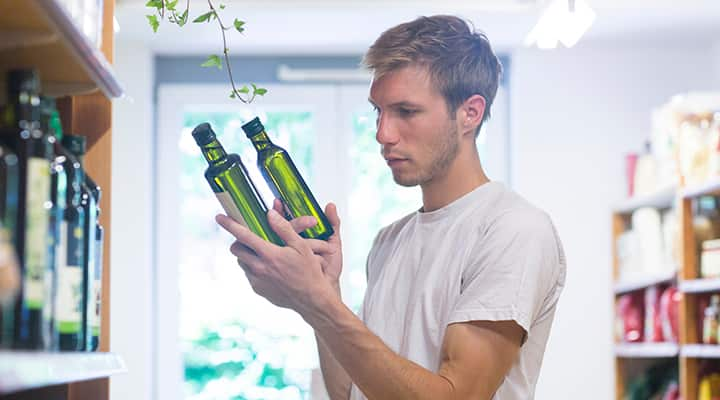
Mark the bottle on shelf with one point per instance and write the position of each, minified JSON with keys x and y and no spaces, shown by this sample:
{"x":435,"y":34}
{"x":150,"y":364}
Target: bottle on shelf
{"x":33,"y":236}
{"x":285,"y":180}
{"x":232,"y":185}
{"x":96,"y":285}
{"x":710,"y":321}
{"x":9,"y":268}
{"x":77,"y":145}
{"x":49,"y":124}
{"x":70,"y":251}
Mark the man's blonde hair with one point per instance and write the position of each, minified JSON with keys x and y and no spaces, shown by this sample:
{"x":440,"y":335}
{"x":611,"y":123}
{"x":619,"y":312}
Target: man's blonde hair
{"x":459,"y":60}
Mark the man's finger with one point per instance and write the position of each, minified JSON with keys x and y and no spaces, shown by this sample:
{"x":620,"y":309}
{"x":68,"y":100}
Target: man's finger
{"x":319,"y":246}
{"x":284,"y":230}
{"x":333,"y":218}
{"x":257,"y":244}
{"x":247,"y":258}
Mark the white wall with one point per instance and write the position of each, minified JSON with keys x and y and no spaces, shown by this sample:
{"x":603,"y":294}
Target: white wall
{"x":132,"y":273}
{"x":574,"y":113}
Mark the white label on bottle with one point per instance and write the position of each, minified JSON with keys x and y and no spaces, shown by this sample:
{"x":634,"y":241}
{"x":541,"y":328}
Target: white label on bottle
{"x":230,"y":208}
{"x":68,"y":300}
{"x":97,"y":289}
{"x":37,"y":238}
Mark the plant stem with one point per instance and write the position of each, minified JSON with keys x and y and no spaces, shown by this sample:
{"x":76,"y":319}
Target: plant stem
{"x":227,"y":57}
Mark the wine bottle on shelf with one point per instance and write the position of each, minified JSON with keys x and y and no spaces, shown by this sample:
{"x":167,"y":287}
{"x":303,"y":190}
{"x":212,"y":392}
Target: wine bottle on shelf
{"x":33,"y":236}
{"x":70,"y":251}
{"x":9,"y":186}
{"x":285,"y":180}
{"x":232,"y":185}
{"x":77,"y":145}
{"x":50,"y":124}
{"x":96,"y":285}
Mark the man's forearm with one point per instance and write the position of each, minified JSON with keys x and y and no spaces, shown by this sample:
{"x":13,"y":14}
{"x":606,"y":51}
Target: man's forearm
{"x":337,"y":381}
{"x":369,"y":363}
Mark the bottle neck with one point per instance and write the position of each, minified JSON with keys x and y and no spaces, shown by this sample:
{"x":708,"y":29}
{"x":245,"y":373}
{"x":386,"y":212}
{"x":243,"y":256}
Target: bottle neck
{"x":213,"y":152}
{"x":261,"y":141}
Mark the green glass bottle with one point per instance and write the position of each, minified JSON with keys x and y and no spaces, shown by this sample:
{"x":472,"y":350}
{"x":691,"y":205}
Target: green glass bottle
{"x":95,"y":305}
{"x":9,"y":186}
{"x":285,"y":180}
{"x":21,"y":129}
{"x":232,"y":185}
{"x":50,"y":124}
{"x":77,"y":145}
{"x":71,"y":256}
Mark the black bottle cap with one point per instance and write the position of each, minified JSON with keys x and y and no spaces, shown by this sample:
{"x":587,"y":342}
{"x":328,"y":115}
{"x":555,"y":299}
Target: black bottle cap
{"x":253,"y":127}
{"x":75,"y":144}
{"x":19,"y":80}
{"x":203,"y":134}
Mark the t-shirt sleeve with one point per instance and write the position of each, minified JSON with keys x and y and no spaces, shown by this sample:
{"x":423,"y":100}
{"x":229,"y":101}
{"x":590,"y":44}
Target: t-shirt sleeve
{"x":512,"y":268}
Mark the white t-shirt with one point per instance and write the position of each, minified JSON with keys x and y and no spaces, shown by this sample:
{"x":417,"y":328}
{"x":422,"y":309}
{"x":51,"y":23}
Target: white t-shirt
{"x":488,"y":256}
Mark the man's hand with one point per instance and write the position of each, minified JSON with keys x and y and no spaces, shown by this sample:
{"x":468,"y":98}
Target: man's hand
{"x":292,"y":276}
{"x":332,"y":260}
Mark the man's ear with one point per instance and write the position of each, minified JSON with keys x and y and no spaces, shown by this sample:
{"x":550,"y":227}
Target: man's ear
{"x":471,"y":113}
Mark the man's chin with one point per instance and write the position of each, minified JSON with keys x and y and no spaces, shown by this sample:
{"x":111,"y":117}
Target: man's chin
{"x":406,"y":181}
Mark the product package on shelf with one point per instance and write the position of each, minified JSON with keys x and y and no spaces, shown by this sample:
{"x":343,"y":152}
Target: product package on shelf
{"x":650,"y":246}
{"x":693,"y":123}
{"x":629,"y":317}
{"x":659,"y":381}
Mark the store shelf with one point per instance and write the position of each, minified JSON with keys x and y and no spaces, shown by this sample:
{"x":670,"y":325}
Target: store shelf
{"x":700,"y":351}
{"x":699,"y":285}
{"x":629,"y":285}
{"x":27,"y":370}
{"x":711,"y":187}
{"x":662,"y":199}
{"x":646,"y":350}
{"x":32,"y":32}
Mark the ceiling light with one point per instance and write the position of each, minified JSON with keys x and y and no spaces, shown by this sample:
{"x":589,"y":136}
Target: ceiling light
{"x":564,"y":21}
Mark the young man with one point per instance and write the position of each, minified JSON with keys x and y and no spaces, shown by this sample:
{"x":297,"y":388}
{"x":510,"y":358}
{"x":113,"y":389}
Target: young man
{"x":462,"y":293}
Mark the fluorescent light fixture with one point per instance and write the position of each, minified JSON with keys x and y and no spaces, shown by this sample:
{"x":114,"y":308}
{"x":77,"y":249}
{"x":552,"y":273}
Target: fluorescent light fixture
{"x":288,"y":74}
{"x":564,"y":21}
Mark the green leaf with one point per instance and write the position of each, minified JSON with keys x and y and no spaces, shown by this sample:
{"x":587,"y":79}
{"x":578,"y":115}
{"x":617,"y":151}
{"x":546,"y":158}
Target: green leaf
{"x":183,"y":18}
{"x":233,"y":95}
{"x":239,"y":25}
{"x":212,"y":61}
{"x":203,"y":18}
{"x":222,"y":6}
{"x":170,"y":5}
{"x":154,"y":4}
{"x":260,"y":91}
{"x":244,"y":89}
{"x":154,"y":23}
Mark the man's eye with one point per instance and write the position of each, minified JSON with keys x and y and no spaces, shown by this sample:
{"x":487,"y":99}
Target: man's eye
{"x":406,"y":112}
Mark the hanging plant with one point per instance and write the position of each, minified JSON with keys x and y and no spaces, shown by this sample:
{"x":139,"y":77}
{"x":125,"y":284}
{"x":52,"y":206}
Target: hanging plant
{"x":168,"y":8}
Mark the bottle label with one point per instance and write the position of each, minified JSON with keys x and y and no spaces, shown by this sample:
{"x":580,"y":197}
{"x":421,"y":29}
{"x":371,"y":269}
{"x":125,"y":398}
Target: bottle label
{"x":97,"y":289}
{"x":230,"y":208}
{"x":37,"y":238}
{"x":69,"y":290}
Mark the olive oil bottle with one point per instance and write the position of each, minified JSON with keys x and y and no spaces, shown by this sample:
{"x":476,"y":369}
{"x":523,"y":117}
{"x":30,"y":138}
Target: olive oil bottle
{"x":285,"y":180}
{"x":231,"y":183}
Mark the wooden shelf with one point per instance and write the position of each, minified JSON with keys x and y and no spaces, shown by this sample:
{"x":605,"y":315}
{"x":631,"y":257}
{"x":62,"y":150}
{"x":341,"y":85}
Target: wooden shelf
{"x":28,"y":370}
{"x":700,"y":351}
{"x":40,"y":34}
{"x":632,"y":284}
{"x":646,"y":350}
{"x":662,"y":199}
{"x":699,"y":285}
{"x":711,"y":187}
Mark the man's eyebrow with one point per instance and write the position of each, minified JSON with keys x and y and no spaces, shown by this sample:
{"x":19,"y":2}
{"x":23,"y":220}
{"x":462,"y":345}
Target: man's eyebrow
{"x":399,"y":104}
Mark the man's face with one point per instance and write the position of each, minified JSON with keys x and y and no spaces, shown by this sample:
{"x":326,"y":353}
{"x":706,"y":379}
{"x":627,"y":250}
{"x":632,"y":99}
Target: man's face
{"x":419,"y":139}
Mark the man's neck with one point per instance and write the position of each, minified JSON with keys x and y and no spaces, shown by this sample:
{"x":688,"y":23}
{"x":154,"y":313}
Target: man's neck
{"x":464,"y":175}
